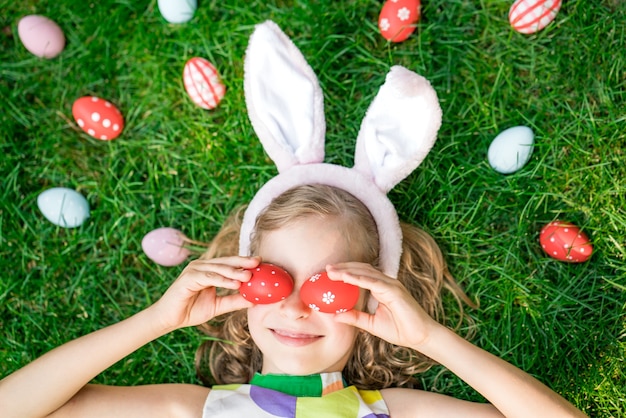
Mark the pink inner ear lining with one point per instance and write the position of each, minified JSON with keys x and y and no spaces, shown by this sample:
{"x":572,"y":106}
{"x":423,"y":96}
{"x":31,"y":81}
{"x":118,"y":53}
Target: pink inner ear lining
{"x":344,"y":178}
{"x":265,"y":101}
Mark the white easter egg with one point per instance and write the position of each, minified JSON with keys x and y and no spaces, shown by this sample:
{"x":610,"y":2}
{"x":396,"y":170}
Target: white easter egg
{"x":63,"y":207}
{"x":165,"y":246}
{"x":177,"y":11}
{"x":511,"y":149}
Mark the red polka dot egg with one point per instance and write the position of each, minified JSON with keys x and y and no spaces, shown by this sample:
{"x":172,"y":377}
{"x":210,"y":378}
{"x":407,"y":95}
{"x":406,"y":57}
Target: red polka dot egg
{"x":398,"y":18}
{"x":564,"y":241}
{"x":329,"y":296}
{"x":530,"y":16}
{"x":98,"y":117}
{"x":202,"y":83}
{"x":268,"y":284}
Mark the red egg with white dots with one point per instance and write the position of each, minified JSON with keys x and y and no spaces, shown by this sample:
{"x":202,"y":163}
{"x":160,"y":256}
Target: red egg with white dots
{"x":268,"y":284}
{"x":329,"y":296}
{"x":203,"y":83}
{"x":398,"y":19}
{"x":564,"y":241}
{"x":99,"y":118}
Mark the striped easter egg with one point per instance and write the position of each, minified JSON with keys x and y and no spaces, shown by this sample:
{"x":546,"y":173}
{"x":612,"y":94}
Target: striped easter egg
{"x":530,"y":16}
{"x":203,"y":83}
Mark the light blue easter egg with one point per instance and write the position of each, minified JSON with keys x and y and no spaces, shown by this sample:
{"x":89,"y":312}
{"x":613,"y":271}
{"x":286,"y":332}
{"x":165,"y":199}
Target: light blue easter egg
{"x":177,"y":11}
{"x":63,"y":207}
{"x":511,"y":149}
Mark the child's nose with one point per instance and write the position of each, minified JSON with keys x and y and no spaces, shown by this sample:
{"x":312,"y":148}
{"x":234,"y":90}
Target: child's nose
{"x":292,"y":306}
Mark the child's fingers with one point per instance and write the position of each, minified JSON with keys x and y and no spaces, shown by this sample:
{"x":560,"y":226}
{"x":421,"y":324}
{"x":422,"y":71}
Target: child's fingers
{"x":195,"y":281}
{"x":232,"y":268}
{"x":368,"y":278}
{"x":339,"y":271}
{"x":356,"y":318}
{"x":352,"y":267}
{"x":230,"y":303}
{"x":235,"y":261}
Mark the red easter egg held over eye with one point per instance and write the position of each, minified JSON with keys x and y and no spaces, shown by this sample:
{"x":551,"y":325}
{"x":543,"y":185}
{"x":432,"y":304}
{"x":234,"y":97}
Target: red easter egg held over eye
{"x":268,"y":284}
{"x":325,"y":295}
{"x":397,"y":19}
{"x":98,"y":117}
{"x":564,"y":241}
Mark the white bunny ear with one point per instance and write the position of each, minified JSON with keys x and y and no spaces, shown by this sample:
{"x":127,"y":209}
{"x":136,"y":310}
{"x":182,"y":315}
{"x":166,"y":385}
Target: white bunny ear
{"x":284,"y":100}
{"x":399,"y":129}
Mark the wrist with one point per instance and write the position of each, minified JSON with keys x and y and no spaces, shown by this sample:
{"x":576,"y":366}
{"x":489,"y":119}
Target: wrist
{"x":156,"y":321}
{"x":437,"y":338}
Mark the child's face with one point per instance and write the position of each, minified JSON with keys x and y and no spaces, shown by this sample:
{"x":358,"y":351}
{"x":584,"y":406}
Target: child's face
{"x":293,"y":338}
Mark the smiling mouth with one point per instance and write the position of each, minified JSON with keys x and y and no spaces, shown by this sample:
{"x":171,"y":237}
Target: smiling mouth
{"x":295,"y":339}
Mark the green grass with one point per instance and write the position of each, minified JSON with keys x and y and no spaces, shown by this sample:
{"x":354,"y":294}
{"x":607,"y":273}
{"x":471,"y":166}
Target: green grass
{"x":178,"y":165}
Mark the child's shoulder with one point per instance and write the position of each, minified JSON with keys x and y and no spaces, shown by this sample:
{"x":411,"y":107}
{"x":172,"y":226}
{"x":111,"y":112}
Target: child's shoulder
{"x":180,"y":400}
{"x":155,"y":400}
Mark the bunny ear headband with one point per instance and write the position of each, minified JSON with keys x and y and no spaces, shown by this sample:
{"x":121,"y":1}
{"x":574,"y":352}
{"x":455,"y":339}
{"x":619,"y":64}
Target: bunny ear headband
{"x":285,"y":106}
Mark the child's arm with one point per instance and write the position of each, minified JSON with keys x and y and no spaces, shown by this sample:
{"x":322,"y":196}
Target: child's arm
{"x":48,"y":383}
{"x":400,"y":320}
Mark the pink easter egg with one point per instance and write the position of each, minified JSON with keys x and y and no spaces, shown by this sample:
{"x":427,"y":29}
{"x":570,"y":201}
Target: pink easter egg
{"x":41,"y":36}
{"x":530,"y":16}
{"x":203,"y":83}
{"x":164,"y":246}
{"x":98,"y":117}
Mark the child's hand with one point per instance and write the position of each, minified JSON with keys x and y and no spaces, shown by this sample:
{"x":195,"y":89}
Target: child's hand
{"x":192,"y":298}
{"x":399,"y":318}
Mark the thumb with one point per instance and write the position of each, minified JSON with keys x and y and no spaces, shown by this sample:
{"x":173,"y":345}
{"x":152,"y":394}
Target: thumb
{"x":230,"y":303}
{"x":355,"y":318}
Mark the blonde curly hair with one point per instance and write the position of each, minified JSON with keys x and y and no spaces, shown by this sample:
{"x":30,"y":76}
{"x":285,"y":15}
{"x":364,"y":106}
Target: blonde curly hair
{"x":230,"y":355}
